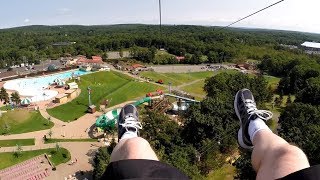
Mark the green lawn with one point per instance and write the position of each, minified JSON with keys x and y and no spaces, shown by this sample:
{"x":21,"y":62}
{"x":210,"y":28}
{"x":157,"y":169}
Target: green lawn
{"x":131,"y":91}
{"x":14,"y":142}
{"x":225,"y":173}
{"x":8,"y":159}
{"x":104,"y":85}
{"x":22,"y":121}
{"x":272,"y":81}
{"x":196,"y":88}
{"x":179,"y":78}
{"x":48,"y":141}
{"x":157,"y":76}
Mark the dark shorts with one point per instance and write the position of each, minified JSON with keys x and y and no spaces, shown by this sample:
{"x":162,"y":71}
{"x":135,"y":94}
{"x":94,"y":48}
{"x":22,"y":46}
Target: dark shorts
{"x":311,"y":173}
{"x":148,"y":169}
{"x":142,"y":169}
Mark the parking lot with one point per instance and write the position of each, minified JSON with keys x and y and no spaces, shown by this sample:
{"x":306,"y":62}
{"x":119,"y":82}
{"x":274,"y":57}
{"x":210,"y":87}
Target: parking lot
{"x":187,"y":68}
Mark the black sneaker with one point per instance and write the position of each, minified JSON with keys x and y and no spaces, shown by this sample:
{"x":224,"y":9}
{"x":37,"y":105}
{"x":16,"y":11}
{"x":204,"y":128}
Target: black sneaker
{"x":128,"y":120}
{"x":247,"y":111}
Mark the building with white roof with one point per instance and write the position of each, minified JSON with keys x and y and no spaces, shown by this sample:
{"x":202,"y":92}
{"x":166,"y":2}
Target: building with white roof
{"x":311,"y":47}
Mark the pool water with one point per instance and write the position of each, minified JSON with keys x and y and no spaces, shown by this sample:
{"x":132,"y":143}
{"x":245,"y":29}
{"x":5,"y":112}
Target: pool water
{"x":35,"y":87}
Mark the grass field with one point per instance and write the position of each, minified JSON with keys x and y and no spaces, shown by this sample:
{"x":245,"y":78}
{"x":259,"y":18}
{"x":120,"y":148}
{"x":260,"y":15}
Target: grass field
{"x":157,"y":76}
{"x":225,"y":173}
{"x":131,"y":91}
{"x":196,"y":88}
{"x":22,"y":121}
{"x":14,"y":142}
{"x":178,"y":78}
{"x":104,"y":85}
{"x":48,"y":141}
{"x":272,"y":81}
{"x":8,"y":159}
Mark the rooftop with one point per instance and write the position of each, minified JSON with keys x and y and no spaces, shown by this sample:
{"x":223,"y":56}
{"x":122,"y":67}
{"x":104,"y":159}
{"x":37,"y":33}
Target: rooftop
{"x":59,"y":96}
{"x":70,"y":91}
{"x":311,"y":44}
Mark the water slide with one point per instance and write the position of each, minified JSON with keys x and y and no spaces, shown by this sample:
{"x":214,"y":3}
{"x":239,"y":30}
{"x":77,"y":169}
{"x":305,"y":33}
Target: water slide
{"x":110,"y":119}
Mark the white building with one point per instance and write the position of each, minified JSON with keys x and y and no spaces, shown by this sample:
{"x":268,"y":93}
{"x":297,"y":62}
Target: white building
{"x":311,"y":47}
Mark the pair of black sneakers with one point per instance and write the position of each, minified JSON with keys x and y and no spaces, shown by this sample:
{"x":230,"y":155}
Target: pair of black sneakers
{"x":244,"y":105}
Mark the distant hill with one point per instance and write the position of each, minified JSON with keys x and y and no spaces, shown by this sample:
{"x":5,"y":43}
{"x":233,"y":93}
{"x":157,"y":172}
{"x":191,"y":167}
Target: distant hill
{"x":34,"y":43}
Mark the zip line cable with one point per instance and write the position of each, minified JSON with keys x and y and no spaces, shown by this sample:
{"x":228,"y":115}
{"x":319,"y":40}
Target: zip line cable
{"x":160,"y":15}
{"x":207,"y":147}
{"x":252,"y":14}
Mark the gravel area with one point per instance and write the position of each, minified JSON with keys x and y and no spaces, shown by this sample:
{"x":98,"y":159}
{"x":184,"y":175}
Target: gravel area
{"x":183,"y":68}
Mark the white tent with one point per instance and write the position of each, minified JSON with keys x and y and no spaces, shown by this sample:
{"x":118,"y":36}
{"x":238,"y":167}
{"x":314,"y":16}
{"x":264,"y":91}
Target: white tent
{"x":26,"y":101}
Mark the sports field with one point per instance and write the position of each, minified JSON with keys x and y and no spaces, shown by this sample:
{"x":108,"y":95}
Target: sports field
{"x":21,"y":121}
{"x":177,"y":79}
{"x":115,"y":87}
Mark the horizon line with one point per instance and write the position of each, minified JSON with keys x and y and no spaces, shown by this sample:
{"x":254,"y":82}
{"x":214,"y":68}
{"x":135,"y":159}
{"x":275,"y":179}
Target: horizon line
{"x":149,"y":24}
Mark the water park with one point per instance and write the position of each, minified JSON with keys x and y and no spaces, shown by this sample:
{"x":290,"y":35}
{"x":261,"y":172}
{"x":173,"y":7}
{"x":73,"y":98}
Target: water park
{"x":61,"y":117}
{"x":38,"y":88}
{"x":49,"y":116}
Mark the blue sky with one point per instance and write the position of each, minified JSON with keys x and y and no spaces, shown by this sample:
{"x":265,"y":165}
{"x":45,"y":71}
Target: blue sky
{"x":299,"y":15}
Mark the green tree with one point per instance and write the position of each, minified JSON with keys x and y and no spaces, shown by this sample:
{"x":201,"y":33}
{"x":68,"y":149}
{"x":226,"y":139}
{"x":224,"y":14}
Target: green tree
{"x":102,"y":159}
{"x":121,"y":53}
{"x":19,"y":150}
{"x":15,"y":97}
{"x":212,"y":57}
{"x":58,"y":147}
{"x":165,"y":137}
{"x":295,"y":121}
{"x":278,"y":101}
{"x":4,"y":96}
{"x":311,"y":93}
{"x":298,"y":77}
{"x":50,"y":133}
{"x":6,"y":127}
{"x":48,"y":120}
{"x":289,"y":100}
{"x":244,"y":167}
{"x":105,"y":56}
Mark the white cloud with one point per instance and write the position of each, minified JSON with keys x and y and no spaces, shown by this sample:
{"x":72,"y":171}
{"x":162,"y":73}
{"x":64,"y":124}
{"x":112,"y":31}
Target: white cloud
{"x":26,"y":20}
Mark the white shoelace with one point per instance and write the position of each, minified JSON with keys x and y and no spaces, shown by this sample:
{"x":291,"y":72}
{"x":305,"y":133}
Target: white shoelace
{"x":132,"y":123}
{"x":252,"y":110}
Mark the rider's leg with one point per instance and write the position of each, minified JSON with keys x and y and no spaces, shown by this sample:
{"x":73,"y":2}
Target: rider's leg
{"x":133,"y":148}
{"x":274,"y":158}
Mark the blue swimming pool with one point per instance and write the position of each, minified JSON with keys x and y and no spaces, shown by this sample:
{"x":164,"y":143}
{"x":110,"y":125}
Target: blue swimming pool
{"x":33,"y":87}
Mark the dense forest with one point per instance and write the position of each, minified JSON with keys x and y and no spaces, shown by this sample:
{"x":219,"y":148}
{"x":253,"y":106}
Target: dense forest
{"x":35,"y":43}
